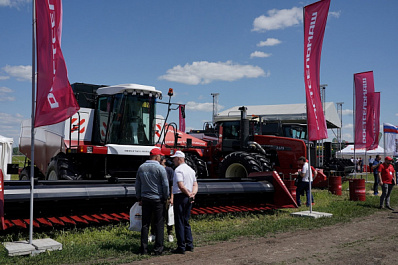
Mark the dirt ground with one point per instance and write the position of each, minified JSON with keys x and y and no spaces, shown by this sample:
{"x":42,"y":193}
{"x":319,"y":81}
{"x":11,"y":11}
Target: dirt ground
{"x":368,"y":240}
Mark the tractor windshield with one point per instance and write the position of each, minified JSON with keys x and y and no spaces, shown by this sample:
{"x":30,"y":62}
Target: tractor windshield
{"x":125,"y":119}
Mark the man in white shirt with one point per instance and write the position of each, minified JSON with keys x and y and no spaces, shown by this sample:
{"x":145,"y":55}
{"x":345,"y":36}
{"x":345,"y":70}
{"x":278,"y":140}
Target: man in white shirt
{"x":185,"y":188}
{"x":304,"y":185}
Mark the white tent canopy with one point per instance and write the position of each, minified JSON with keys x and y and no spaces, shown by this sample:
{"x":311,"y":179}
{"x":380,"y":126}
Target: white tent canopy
{"x":349,"y":151}
{"x":5,"y":155}
{"x":296,"y":113}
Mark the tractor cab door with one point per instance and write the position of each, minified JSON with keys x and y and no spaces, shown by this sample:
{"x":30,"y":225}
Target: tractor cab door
{"x":231,"y":136}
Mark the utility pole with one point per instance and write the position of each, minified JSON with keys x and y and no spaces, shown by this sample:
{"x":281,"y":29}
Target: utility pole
{"x":340,"y":109}
{"x":323,"y":98}
{"x":215,"y":105}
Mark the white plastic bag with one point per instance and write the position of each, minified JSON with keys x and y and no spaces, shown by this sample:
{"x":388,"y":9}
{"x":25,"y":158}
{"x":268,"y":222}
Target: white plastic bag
{"x":170,"y":214}
{"x":136,"y":217}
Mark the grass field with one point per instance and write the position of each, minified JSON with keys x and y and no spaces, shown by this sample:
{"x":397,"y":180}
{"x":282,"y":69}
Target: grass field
{"x":115,"y":244}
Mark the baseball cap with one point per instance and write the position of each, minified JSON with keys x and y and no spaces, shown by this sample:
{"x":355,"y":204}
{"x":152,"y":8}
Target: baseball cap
{"x":388,"y":158}
{"x":178,"y":154}
{"x":156,"y":151}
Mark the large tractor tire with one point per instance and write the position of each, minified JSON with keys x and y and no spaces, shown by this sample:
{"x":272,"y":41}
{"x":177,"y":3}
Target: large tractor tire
{"x":60,"y":168}
{"x":25,"y":174}
{"x":264,"y":162}
{"x":239,"y":165}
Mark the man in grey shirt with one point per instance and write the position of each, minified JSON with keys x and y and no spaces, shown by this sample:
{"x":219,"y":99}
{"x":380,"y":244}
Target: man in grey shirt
{"x":152,"y":192}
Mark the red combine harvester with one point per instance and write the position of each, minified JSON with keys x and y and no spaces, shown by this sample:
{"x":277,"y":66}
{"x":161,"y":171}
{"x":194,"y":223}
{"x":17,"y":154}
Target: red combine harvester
{"x":85,"y":167}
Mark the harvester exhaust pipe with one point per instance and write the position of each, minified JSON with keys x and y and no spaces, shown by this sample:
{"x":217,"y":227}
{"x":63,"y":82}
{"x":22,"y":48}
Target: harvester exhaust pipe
{"x":244,"y":127}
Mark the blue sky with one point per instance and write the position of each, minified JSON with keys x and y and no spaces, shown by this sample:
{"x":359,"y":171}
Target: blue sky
{"x":251,"y":52}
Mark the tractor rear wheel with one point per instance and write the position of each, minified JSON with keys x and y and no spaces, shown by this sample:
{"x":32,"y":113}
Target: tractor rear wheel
{"x":239,"y":165}
{"x":25,"y":174}
{"x":264,"y":162}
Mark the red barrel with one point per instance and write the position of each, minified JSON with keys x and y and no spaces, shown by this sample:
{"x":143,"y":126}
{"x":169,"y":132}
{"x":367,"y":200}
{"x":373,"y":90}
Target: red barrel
{"x":357,"y":190}
{"x":291,"y":187}
{"x":335,"y":185}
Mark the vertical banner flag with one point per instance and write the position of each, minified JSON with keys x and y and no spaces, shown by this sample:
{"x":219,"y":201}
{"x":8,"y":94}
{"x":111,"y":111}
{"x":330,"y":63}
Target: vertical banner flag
{"x":390,"y":139}
{"x":55,"y":101}
{"x":182,"y":118}
{"x":374,"y":118}
{"x":364,"y":86}
{"x":315,"y":16}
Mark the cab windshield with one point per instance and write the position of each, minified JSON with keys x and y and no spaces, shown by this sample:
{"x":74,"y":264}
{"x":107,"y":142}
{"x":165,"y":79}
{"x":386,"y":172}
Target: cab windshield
{"x":125,"y":119}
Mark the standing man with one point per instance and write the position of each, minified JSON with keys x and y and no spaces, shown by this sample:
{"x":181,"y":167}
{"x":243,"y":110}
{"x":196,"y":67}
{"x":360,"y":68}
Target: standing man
{"x":387,"y":182}
{"x":152,"y":191}
{"x":306,"y":175}
{"x":375,"y":167}
{"x":185,"y":188}
{"x":371,"y":160}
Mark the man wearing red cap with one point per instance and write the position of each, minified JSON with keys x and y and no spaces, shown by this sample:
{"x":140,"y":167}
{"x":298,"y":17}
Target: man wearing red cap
{"x":386,"y":180}
{"x":152,"y":191}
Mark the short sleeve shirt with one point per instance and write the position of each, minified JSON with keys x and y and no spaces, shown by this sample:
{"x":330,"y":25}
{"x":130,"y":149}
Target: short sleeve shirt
{"x":308,"y":174}
{"x":183,"y":173}
{"x":387,"y":173}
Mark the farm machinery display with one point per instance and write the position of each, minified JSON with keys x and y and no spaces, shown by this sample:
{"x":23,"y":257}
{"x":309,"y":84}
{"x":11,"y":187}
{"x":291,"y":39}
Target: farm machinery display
{"x":87,"y":164}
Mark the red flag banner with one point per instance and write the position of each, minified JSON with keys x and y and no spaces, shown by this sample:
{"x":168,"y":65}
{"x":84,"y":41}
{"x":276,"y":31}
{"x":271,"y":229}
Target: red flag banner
{"x":55,"y":101}
{"x":364,"y":87}
{"x":374,"y":119}
{"x":315,"y":16}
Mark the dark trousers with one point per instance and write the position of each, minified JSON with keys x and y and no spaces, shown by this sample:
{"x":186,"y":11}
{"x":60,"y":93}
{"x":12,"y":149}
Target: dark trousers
{"x":385,"y":195}
{"x":376,"y":184}
{"x":304,"y":186}
{"x":182,"y":213}
{"x":166,"y":218}
{"x":155,"y":208}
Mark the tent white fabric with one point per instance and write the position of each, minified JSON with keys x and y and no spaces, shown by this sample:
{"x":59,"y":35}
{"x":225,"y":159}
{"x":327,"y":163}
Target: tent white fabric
{"x":287,"y":113}
{"x":349,"y":150}
{"x":5,"y":155}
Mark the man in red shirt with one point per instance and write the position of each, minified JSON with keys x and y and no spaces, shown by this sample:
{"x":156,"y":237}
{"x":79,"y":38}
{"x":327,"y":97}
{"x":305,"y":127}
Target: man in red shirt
{"x":387,"y":182}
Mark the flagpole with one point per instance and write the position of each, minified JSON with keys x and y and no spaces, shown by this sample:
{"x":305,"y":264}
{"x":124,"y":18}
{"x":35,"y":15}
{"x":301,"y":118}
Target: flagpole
{"x":384,"y":141}
{"x":32,"y":135}
{"x":353,"y":117}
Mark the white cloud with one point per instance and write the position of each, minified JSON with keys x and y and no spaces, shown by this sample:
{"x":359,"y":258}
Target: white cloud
{"x":206,"y":72}
{"x":335,"y":14}
{"x":348,"y":112}
{"x":348,"y":126}
{"x":4,"y":77}
{"x":14,"y":3}
{"x":278,"y":19}
{"x":20,"y":72}
{"x":10,"y":119}
{"x":206,"y":107}
{"x":4,"y":96}
{"x":260,"y":54}
{"x":269,"y":42}
{"x":347,"y":137}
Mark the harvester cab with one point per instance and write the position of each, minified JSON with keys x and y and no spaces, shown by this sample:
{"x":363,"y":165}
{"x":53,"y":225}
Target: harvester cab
{"x":110,"y":136}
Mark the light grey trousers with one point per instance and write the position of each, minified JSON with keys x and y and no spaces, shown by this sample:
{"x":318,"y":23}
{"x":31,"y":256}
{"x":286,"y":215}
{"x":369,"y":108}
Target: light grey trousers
{"x":386,"y":192}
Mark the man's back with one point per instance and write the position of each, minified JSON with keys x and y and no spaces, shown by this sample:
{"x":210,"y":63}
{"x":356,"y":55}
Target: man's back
{"x":151,"y":181}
